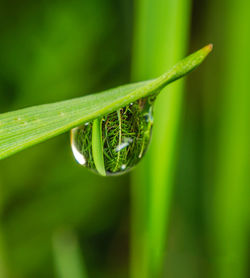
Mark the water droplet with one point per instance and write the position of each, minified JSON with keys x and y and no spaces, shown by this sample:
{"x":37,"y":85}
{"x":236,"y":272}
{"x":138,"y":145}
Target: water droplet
{"x":125,"y":136}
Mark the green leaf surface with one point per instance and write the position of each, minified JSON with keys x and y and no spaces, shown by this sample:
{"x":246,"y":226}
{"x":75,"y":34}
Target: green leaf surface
{"x":26,"y":127}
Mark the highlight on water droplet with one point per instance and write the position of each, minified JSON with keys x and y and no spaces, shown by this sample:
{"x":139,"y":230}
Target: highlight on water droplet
{"x":115,"y":143}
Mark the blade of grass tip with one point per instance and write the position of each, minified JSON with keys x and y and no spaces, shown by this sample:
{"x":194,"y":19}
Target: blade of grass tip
{"x":97,"y":147}
{"x":161,"y":32}
{"x":67,"y":256}
{"x":230,"y":200}
{"x":29,"y":126}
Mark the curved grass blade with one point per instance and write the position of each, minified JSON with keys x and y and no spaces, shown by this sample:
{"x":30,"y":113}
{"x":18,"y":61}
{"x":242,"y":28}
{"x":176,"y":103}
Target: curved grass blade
{"x":26,"y":127}
{"x":97,"y":147}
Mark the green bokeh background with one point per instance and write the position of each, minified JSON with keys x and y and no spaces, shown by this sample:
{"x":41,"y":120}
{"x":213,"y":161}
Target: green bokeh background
{"x":58,"y":219}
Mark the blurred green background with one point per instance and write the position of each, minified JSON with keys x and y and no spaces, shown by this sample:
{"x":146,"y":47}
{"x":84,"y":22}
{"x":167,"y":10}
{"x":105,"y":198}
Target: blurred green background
{"x":184,"y":212}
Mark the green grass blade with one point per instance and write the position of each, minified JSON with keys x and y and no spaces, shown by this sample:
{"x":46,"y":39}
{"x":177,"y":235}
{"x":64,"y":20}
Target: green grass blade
{"x":97,"y":146}
{"x":26,"y":127}
{"x":67,"y":256}
{"x":229,"y":209}
{"x":160,"y":39}
{"x":3,"y":262}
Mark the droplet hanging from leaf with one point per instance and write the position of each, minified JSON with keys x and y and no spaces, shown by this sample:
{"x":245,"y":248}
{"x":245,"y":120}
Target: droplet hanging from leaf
{"x":115,"y":143}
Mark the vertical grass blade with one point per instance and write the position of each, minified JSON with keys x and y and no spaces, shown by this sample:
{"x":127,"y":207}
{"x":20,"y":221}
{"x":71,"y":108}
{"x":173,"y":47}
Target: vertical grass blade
{"x":160,"y":39}
{"x":68,"y":260}
{"x":230,"y":205}
{"x":3,"y":250}
{"x":3,"y":267}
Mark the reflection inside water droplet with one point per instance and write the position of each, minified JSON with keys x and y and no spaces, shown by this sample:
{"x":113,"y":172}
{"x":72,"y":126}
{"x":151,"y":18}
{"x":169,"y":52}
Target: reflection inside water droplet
{"x":125,"y":133}
{"x":124,"y":143}
{"x":76,"y":152}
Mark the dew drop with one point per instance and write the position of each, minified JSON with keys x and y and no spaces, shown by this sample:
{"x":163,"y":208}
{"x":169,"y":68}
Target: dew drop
{"x":125,"y":136}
